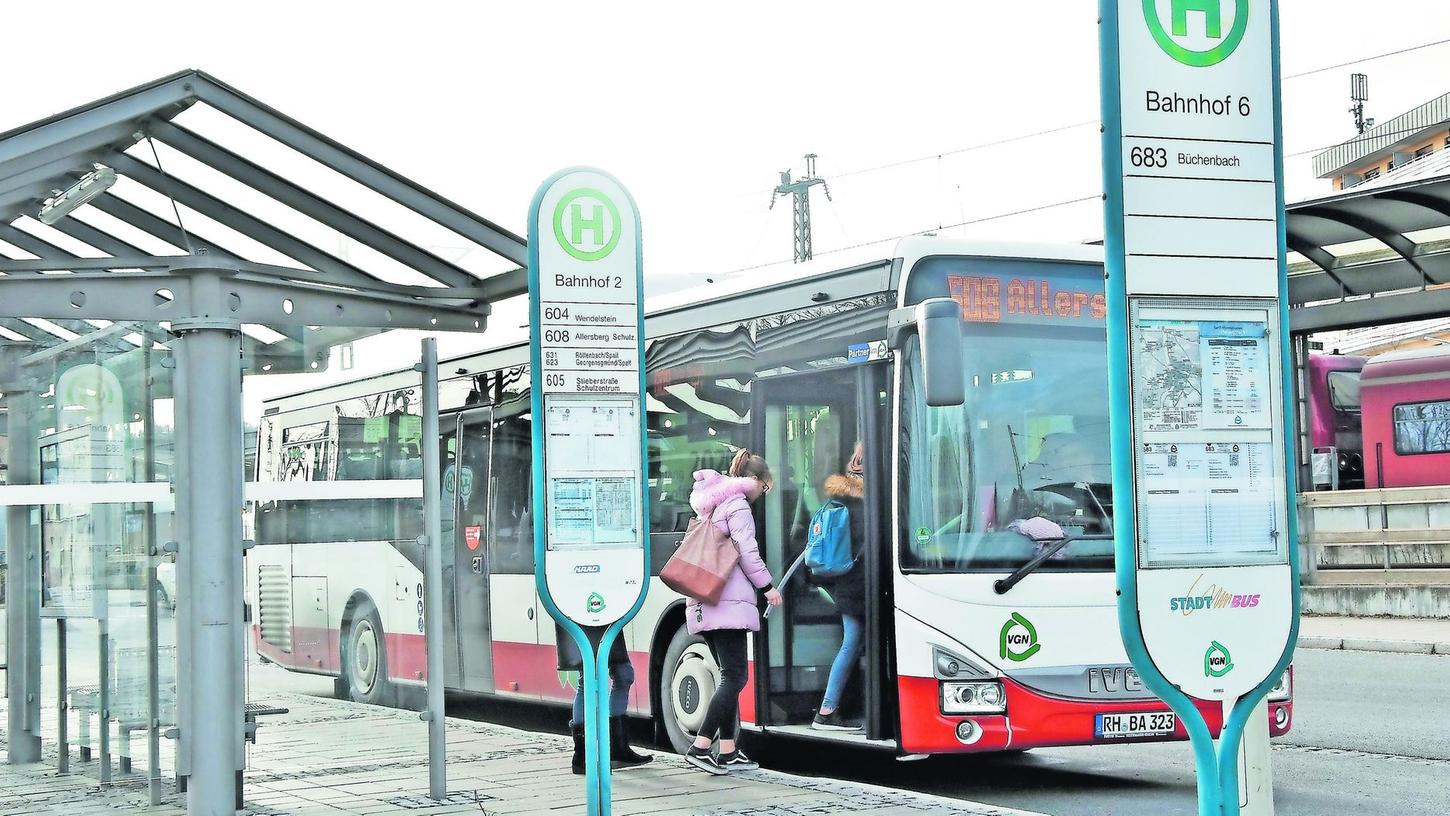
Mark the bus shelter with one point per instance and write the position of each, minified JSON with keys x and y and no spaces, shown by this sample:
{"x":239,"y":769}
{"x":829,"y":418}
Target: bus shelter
{"x":1375,"y":254}
{"x":162,"y":251}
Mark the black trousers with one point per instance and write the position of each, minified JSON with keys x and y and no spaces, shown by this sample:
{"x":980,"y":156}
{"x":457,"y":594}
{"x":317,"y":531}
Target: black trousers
{"x":722,"y":718}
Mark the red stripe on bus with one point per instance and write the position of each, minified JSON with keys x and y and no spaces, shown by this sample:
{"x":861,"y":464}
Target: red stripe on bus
{"x":1033,"y":720}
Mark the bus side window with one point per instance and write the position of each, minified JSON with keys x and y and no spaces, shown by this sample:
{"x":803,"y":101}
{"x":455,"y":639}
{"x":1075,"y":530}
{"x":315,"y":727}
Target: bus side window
{"x":510,"y":533}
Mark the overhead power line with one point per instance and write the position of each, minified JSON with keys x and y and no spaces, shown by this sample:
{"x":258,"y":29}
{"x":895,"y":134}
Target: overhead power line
{"x":1369,"y":134}
{"x":1368,"y":59}
{"x":888,"y":239}
{"x":1075,"y":125}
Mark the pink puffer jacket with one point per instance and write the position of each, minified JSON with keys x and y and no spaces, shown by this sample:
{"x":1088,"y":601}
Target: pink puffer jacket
{"x":722,"y":499}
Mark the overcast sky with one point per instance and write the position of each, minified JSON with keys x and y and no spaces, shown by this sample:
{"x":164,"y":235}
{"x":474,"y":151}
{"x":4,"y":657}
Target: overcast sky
{"x":696,"y":107}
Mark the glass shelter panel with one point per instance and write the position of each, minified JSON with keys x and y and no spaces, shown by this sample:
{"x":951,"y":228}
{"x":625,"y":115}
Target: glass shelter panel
{"x":88,"y":427}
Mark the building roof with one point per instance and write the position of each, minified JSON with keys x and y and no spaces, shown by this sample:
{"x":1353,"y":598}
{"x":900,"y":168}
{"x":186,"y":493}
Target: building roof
{"x":1382,"y":139}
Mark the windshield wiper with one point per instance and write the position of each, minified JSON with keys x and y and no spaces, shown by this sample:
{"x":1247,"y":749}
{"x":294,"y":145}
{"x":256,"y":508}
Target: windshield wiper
{"x":1004,"y":585}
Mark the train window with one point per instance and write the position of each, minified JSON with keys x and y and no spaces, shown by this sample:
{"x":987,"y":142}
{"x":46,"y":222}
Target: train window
{"x":1344,"y":390}
{"x":1422,"y":427}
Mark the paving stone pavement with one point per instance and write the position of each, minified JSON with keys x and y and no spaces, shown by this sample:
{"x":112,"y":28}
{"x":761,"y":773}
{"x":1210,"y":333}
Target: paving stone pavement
{"x":327,"y":758}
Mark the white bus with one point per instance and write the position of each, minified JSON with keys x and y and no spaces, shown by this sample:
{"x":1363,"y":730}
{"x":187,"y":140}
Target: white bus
{"x":800,"y":371}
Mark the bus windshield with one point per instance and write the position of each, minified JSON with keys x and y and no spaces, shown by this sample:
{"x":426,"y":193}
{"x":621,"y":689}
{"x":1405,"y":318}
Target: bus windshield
{"x":1029,"y":443}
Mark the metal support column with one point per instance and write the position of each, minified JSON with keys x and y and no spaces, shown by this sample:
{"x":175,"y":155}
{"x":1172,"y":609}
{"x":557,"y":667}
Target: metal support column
{"x":62,"y":701}
{"x":22,"y":588}
{"x":433,"y":578}
{"x":103,"y":693}
{"x":153,"y":611}
{"x":1305,"y":442}
{"x":209,"y":516}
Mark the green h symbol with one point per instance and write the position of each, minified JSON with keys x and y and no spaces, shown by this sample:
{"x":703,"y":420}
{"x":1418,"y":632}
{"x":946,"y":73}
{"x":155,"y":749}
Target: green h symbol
{"x":578,"y":223}
{"x":1212,"y":17}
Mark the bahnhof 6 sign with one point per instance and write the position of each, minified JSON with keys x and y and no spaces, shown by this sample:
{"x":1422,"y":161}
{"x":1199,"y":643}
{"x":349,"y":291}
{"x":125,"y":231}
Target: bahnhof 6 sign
{"x":1194,"y":217}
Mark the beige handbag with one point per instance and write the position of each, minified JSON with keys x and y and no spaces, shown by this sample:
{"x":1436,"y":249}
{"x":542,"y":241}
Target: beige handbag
{"x":702,"y":563}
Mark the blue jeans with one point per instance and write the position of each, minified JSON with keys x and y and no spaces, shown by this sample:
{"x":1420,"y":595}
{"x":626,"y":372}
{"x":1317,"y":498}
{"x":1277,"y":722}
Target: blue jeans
{"x":852,"y":631}
{"x":622,"y":677}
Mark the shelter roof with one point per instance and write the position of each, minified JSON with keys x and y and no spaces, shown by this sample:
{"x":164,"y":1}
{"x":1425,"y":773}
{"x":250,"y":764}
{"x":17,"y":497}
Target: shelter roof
{"x":187,"y":171}
{"x":1375,"y":254}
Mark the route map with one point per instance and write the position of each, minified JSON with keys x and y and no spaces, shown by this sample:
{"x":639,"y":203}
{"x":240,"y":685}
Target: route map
{"x":1170,"y":377}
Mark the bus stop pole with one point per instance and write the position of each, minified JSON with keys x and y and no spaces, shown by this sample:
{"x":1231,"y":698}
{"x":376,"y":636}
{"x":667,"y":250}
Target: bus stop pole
{"x":433,"y":577}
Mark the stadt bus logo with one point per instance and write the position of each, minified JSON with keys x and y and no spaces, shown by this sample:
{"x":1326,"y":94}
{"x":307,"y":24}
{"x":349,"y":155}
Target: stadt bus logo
{"x":1019,"y":639}
{"x":586,"y":224}
{"x":1216,"y":661}
{"x":1187,"y":17}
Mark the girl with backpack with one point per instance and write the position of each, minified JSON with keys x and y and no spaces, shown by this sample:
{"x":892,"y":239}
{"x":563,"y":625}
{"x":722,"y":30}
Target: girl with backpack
{"x":724,"y":500}
{"x":621,"y":677}
{"x":848,"y":591}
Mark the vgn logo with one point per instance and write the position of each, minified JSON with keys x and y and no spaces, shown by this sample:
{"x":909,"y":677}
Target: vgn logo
{"x":586,"y":224}
{"x":1195,"y":33}
{"x":1019,"y":639}
{"x":1216,"y":661}
{"x":595,"y":603}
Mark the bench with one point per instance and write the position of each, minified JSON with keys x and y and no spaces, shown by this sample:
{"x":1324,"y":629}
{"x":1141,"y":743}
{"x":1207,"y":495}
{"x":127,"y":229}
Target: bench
{"x":250,"y":714}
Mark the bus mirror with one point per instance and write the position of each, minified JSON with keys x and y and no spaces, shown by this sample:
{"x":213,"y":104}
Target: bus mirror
{"x":939,"y":326}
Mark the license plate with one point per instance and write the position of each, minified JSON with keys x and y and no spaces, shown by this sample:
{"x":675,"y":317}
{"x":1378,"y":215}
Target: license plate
{"x":1127,"y":726}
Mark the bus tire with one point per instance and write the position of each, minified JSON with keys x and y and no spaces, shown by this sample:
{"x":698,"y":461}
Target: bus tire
{"x":688,"y":680}
{"x":365,"y":657}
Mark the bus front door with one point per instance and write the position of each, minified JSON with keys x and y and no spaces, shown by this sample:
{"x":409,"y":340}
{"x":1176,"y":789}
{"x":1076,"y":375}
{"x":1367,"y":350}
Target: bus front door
{"x":806,"y":427}
{"x":466,"y":476}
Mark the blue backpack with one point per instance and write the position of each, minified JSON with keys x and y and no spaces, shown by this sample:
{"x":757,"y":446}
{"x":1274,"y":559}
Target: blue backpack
{"x":828,"y":541}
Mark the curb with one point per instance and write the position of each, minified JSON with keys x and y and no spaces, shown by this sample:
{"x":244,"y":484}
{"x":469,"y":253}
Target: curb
{"x":1365,"y":645}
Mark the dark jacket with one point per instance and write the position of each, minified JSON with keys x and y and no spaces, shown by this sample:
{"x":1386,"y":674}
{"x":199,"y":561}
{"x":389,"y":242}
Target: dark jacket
{"x":849,"y":590}
{"x":569,"y":659}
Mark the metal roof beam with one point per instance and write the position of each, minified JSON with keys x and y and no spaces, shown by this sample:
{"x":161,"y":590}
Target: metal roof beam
{"x":159,"y":227}
{"x":362,"y":170}
{"x":236,"y":295}
{"x":1391,"y":238}
{"x":1320,"y":257}
{"x":60,"y":169}
{"x":26,"y":330}
{"x":100,"y":239}
{"x":265,"y":181}
{"x":503,"y":286}
{"x":216,"y":209}
{"x":1419,"y":199}
{"x":22,"y":201}
{"x":16,"y":236}
{"x":68,"y":151}
{"x":1375,"y":311}
{"x":99,"y":125}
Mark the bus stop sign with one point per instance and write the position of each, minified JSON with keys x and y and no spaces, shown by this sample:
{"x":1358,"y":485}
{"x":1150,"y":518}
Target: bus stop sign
{"x":1197,"y":336}
{"x":587,"y":345}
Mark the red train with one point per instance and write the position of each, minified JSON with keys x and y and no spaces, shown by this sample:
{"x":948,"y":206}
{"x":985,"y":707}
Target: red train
{"x":1400,"y":404}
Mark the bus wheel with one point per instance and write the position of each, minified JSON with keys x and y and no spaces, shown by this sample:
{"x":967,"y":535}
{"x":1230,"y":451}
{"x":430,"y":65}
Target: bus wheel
{"x":687,"y":682}
{"x":365,"y":657}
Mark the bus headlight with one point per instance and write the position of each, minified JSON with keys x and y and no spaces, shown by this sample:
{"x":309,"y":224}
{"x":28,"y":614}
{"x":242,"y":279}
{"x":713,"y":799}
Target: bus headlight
{"x":973,"y":698}
{"x":1282,"y":690}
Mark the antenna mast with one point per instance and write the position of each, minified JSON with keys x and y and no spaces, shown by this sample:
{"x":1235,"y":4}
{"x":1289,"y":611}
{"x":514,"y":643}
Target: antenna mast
{"x":800,"y":191}
{"x":1359,"y":94}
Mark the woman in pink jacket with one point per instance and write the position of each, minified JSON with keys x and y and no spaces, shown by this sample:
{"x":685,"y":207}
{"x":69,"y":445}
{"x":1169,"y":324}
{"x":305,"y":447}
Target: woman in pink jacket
{"x":725,"y":500}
